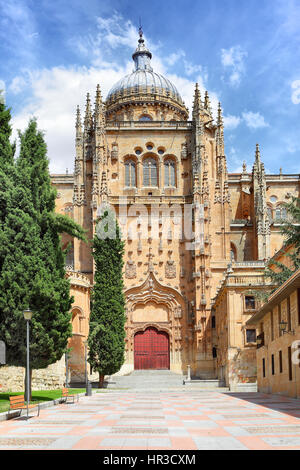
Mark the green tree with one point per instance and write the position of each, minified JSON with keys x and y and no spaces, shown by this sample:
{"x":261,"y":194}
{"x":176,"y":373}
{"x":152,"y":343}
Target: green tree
{"x":7,"y":151}
{"x":32,"y":273}
{"x":106,"y":339}
{"x":291,"y":233}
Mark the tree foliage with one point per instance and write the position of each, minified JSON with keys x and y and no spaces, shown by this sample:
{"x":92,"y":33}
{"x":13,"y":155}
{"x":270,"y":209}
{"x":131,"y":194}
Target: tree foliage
{"x":291,"y":233}
{"x":107,"y":335}
{"x":32,"y":273}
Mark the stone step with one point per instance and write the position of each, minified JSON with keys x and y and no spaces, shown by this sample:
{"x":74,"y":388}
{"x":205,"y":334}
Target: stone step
{"x":161,"y":380}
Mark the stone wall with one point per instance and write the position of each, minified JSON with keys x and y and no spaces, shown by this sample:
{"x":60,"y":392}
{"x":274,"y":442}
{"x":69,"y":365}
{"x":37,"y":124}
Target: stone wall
{"x":53,"y":377}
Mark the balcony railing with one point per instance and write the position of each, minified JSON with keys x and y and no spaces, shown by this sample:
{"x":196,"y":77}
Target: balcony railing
{"x":149,"y":124}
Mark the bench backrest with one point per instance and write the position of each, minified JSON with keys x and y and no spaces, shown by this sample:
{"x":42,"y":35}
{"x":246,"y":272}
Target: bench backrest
{"x":65,"y":392}
{"x":16,"y":401}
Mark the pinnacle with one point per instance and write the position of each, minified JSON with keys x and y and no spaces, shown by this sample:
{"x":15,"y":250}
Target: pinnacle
{"x":220,"y":116}
{"x":207,"y":104}
{"x":257,"y":153}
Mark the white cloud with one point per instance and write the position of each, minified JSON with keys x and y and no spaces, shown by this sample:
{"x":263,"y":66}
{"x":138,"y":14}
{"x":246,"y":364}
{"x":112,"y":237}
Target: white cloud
{"x":191,"y":69}
{"x":2,"y":91}
{"x":53,"y":93}
{"x":254,"y":120}
{"x":296,"y":94}
{"x":231,"y":122}
{"x":18,"y":84}
{"x":174,"y":57}
{"x":233,"y":61}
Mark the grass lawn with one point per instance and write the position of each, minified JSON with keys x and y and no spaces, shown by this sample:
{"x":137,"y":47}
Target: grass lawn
{"x":37,"y":395}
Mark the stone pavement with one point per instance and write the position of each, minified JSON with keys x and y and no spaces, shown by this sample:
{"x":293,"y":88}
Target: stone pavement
{"x":187,"y":420}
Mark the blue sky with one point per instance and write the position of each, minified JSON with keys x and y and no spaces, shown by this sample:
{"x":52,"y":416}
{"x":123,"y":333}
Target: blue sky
{"x":245,"y":53}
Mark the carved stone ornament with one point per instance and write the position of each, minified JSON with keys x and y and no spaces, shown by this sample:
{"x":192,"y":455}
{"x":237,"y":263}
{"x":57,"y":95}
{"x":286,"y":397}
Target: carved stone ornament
{"x":170,"y":270}
{"x":130,"y":270}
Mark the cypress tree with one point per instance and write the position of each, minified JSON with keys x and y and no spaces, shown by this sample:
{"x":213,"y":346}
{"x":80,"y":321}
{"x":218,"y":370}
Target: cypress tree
{"x":7,"y":151}
{"x":33,"y":274}
{"x":106,"y":339}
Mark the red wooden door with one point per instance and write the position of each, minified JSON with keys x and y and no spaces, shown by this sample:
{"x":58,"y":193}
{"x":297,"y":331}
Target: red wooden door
{"x":151,"y":349}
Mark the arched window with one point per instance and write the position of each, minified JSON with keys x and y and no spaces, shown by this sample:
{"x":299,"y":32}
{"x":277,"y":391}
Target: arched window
{"x":284,"y":214}
{"x":130,"y":174}
{"x":145,"y":118}
{"x":278,"y":213}
{"x":270,"y":212}
{"x":69,"y":262}
{"x":150,"y":172}
{"x":281,"y":213}
{"x":75,"y":321}
{"x":169,"y":173}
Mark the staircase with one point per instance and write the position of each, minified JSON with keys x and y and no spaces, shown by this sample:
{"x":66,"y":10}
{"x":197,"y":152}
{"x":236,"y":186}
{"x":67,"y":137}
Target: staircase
{"x":160,"y":380}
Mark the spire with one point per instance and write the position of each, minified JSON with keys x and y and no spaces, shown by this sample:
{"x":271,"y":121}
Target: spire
{"x":220,"y":116}
{"x":142,"y":55}
{"x":88,"y":113}
{"x":207,"y":104}
{"x":197,"y":104}
{"x":98,"y":96}
{"x":99,"y":109}
{"x":220,"y":133}
{"x":257,"y":154}
{"x":78,"y":125}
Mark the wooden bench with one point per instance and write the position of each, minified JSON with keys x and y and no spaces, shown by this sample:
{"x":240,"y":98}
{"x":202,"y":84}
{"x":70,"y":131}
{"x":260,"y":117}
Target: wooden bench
{"x":65,"y":395}
{"x":18,"y":403}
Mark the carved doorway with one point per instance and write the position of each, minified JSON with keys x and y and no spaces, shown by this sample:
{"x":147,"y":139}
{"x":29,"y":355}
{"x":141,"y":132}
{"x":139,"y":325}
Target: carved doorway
{"x":151,"y":349}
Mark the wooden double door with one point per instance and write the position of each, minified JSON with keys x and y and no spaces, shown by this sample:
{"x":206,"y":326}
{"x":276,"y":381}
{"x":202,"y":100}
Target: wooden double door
{"x":151,"y":349}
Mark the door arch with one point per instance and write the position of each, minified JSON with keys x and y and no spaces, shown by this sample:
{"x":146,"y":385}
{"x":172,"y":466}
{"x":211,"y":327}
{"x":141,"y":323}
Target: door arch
{"x":151,"y":349}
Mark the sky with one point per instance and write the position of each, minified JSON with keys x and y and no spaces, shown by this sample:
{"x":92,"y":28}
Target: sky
{"x":246,"y":54}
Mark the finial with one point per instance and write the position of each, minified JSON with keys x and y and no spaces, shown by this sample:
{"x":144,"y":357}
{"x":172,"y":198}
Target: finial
{"x":257,"y":153}
{"x":207,"y":104}
{"x":220,"y":116}
{"x":141,"y":30}
{"x":197,"y":105}
{"x":142,"y":55}
{"x":78,"y":117}
{"x":98,"y":92}
{"x":88,"y":113}
{"x":244,"y":167}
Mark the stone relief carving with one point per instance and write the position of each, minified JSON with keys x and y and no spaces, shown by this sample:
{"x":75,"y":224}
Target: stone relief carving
{"x":170,"y":269}
{"x":130,"y":270}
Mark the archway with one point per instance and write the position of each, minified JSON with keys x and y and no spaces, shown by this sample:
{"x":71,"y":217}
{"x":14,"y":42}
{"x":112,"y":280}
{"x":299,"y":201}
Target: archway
{"x":151,"y":349}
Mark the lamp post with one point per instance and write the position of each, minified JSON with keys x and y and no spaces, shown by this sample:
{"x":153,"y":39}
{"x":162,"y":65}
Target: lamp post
{"x":283,"y":325}
{"x":27,"y":316}
{"x":85,"y":364}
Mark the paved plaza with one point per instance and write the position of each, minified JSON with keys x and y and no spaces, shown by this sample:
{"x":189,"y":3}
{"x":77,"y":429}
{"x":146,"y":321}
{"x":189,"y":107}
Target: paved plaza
{"x":185,"y":420}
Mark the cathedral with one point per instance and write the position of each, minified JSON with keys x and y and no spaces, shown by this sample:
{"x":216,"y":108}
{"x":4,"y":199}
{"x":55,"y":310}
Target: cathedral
{"x":196,"y":236}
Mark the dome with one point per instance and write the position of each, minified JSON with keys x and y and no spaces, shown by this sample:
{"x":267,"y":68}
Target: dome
{"x":145,"y":79}
{"x":143,"y":84}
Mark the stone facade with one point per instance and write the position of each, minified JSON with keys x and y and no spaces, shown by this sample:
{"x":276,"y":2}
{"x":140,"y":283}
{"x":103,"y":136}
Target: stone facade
{"x":278,"y":353}
{"x":139,"y":153}
{"x":234,"y":304}
{"x":164,"y":174}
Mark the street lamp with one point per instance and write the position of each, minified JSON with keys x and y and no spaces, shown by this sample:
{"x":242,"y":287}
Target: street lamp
{"x":283,"y":328}
{"x":27,"y":316}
